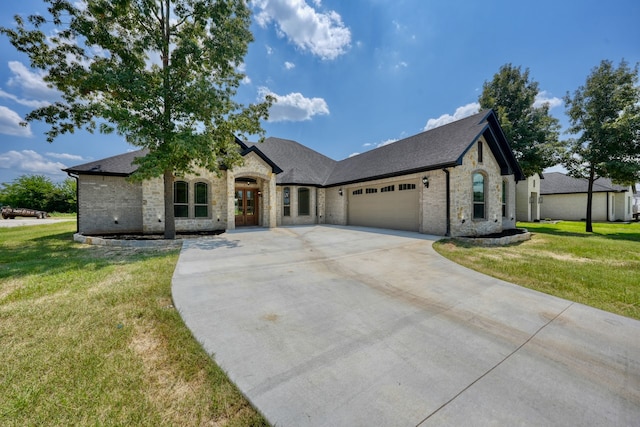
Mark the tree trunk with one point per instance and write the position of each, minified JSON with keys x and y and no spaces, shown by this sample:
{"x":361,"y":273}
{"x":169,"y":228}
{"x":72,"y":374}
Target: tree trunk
{"x":589,"y":227}
{"x":169,"y":217}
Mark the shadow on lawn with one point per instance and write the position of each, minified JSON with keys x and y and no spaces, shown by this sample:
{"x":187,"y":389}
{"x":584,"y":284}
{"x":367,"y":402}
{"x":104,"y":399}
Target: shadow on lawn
{"x":632,"y":237}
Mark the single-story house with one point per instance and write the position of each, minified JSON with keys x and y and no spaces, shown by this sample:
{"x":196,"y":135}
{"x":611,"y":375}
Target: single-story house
{"x":457,"y":179}
{"x":559,"y":196}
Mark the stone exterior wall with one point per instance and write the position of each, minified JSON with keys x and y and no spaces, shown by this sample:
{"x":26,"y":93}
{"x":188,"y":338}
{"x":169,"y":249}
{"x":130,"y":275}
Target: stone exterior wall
{"x":105,"y":200}
{"x":294,"y":218}
{"x":153,"y":204}
{"x":256,"y":168}
{"x":335,"y":211}
{"x":434,"y":204}
{"x":462,"y":221}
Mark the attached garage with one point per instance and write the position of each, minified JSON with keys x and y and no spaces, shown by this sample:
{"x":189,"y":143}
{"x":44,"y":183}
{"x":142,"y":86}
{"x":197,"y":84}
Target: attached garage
{"x":395,"y":206}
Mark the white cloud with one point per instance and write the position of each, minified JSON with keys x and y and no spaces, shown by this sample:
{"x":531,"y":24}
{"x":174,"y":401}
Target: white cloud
{"x":31,"y":84}
{"x":353,"y":154}
{"x":461,"y":113}
{"x":294,"y":107}
{"x":289,"y":65}
{"x":323,"y":34}
{"x":10,"y":123}
{"x":65,"y":156}
{"x":543,"y":98}
{"x":26,"y":102}
{"x":29,"y":162}
{"x":387,"y":142}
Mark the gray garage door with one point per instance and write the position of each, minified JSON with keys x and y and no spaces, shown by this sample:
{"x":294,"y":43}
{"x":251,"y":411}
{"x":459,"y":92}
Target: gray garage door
{"x":394,"y":206}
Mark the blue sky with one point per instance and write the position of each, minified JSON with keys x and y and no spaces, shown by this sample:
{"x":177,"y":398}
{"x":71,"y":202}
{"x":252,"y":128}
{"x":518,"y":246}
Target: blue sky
{"x":350,"y":75}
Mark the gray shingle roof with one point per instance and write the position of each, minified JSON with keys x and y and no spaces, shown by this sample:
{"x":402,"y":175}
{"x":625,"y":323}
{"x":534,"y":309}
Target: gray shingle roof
{"x":300,"y":164}
{"x":559,"y":183}
{"x":440,"y":147}
{"x":436,"y":148}
{"x":120,"y":165}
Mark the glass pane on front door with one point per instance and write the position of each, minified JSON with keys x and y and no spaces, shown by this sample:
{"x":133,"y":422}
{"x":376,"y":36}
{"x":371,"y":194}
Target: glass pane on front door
{"x":239,"y":204}
{"x":250,"y":202}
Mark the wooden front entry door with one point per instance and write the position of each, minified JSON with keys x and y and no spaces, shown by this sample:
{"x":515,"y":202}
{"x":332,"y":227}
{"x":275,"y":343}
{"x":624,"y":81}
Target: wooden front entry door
{"x":246,"y":204}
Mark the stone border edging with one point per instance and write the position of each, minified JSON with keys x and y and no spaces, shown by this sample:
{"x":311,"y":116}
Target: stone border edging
{"x":498,"y":241}
{"x":99,"y":241}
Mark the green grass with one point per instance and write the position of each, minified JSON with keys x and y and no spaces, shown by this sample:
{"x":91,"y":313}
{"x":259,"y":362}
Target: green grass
{"x":600,"y":269}
{"x":89,"y":336}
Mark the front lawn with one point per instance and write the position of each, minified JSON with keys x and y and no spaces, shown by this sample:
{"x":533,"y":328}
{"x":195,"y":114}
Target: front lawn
{"x":600,"y":269}
{"x":89,"y":336}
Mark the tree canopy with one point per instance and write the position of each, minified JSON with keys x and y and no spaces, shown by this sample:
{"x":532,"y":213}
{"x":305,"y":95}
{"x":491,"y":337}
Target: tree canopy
{"x":604,"y":114}
{"x":163,"y":73}
{"x":40,"y":193}
{"x":531,"y":131}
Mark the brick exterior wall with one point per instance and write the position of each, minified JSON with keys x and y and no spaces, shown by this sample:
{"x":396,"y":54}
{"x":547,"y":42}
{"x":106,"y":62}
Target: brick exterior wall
{"x":103,"y":200}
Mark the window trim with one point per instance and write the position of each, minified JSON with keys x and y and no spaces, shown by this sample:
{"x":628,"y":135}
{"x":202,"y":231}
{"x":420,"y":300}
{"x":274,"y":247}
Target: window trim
{"x":177,"y":204}
{"x":307,"y":210}
{"x":204,"y":204}
{"x":475,"y":203}
{"x":286,"y":201}
{"x":505,"y":197}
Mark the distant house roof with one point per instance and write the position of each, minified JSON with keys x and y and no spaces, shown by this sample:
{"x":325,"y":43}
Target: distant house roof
{"x":296,"y":164}
{"x":559,"y":183}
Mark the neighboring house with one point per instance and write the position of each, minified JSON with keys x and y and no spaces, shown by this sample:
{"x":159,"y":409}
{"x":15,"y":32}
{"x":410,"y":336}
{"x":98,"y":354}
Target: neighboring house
{"x":458,"y":179}
{"x":564,"y":197}
{"x":528,"y":199}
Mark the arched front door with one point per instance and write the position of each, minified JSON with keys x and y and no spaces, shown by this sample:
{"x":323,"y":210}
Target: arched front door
{"x":246,"y":206}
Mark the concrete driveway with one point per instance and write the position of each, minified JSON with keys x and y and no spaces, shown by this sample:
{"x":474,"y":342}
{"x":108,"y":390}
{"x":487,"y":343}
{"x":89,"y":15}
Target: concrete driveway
{"x":338,"y":326}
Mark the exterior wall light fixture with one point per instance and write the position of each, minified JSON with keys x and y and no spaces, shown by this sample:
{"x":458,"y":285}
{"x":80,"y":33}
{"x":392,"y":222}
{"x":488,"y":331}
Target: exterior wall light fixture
{"x":425,"y":181}
{"x":340,"y":191}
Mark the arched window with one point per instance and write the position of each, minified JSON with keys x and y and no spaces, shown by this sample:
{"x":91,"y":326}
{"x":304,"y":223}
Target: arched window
{"x":201,"y":200}
{"x":479,"y":205}
{"x":286,"y":201}
{"x":303,"y":201}
{"x":181,"y":199}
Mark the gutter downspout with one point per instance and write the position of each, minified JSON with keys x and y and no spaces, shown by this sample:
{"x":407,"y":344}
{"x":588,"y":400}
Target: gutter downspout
{"x":448,"y":232}
{"x":77,"y":201}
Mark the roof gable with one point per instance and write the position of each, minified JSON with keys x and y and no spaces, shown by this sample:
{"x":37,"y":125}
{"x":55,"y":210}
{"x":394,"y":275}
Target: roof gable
{"x":441,"y":147}
{"x":300,"y":164}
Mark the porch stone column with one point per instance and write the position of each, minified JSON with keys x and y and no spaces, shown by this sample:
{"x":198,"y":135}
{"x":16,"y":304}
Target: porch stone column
{"x":272,"y":201}
{"x":231,"y":194}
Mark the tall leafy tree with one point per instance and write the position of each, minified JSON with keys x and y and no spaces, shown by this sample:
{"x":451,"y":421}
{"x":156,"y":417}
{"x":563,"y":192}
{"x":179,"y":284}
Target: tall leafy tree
{"x":163,"y":73}
{"x":605,"y":116}
{"x":28,"y":191}
{"x":530,"y":129}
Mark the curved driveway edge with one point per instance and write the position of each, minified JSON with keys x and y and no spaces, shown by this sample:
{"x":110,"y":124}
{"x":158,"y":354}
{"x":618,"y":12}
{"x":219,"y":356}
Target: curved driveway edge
{"x":343,"y":326}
